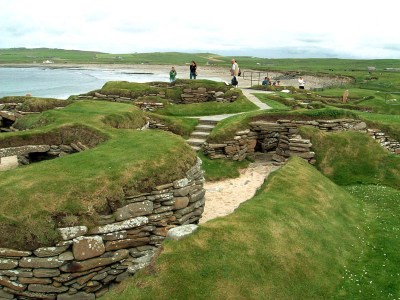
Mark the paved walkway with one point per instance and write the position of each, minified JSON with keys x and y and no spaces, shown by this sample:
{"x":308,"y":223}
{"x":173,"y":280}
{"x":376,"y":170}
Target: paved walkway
{"x":207,"y":123}
{"x":249,"y":95}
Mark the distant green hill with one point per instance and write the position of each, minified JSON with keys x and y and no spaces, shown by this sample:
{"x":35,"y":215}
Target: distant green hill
{"x":374,"y":74}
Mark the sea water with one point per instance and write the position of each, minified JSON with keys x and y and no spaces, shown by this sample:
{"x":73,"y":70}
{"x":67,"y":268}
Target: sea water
{"x":63,"y":82}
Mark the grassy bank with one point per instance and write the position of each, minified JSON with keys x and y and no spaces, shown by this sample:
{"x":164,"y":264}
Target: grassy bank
{"x":282,"y":244}
{"x":72,"y":189}
{"x":352,"y":158}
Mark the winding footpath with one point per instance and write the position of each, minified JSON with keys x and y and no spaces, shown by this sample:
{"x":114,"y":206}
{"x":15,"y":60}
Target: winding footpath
{"x":224,"y":196}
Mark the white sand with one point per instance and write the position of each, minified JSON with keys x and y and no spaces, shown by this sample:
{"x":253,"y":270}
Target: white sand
{"x":223,"y":197}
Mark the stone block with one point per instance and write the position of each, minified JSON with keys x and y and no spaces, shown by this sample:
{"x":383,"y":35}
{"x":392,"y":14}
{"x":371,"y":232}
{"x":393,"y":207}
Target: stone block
{"x":93,"y":263}
{"x":69,"y":233}
{"x":88,"y":247}
{"x":133,"y":210}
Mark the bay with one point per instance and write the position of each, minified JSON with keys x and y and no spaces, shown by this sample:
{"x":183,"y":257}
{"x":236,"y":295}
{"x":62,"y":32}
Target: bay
{"x":63,"y":82}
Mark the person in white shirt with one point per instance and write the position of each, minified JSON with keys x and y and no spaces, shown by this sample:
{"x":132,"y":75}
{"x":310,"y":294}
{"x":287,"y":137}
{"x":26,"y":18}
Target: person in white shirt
{"x":234,"y":72}
{"x":301,"y":83}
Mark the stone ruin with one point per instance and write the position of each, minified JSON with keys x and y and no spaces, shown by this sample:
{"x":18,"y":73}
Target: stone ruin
{"x":86,"y":261}
{"x":282,"y":140}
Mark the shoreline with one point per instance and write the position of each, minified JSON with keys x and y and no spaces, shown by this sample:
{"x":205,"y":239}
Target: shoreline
{"x":204,"y":72}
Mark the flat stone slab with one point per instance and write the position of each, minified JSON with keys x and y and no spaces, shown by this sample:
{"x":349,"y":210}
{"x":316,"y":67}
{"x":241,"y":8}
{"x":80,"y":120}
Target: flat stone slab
{"x":180,"y":232}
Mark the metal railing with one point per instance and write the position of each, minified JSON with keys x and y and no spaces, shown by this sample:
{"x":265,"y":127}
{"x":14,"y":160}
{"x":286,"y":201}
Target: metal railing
{"x":255,"y":76}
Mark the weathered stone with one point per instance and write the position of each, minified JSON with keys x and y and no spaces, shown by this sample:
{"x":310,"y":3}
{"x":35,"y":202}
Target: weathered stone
{"x":46,"y":272}
{"x":163,"y":209}
{"x":180,"y":232}
{"x":35,"y":280}
{"x":69,"y":233}
{"x":6,"y":264}
{"x":77,"y":296}
{"x":360,"y":126}
{"x":68,"y":255}
{"x":88,"y":247}
{"x":49,"y":251}
{"x":69,"y":277}
{"x":44,"y":288}
{"x":113,"y":236}
{"x":31,"y":295}
{"x":100,"y":276}
{"x":17,"y":272}
{"x":132,"y":269}
{"x":127,"y":224}
{"x":4,"y":295}
{"x":5,"y":281}
{"x":134,"y":210}
{"x":198,"y":195}
{"x":5,"y":252}
{"x":182,"y":191}
{"x":127,"y":243}
{"x":82,"y":280}
{"x":181,"y":202}
{"x":95,"y":262}
{"x":162,"y":231}
{"x":181,"y":183}
{"x":38,"y":262}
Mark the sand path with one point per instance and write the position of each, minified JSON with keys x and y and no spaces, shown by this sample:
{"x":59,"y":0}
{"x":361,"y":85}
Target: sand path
{"x":223,"y":197}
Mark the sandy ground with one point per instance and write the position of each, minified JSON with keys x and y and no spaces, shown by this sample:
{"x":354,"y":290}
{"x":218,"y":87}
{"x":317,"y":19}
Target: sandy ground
{"x":223,"y":197}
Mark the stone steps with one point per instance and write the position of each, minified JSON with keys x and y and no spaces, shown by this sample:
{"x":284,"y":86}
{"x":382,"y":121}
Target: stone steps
{"x":200,"y":133}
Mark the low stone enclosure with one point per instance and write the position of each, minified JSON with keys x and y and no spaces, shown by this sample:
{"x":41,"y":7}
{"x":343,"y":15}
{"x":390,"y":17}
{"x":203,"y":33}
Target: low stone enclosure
{"x":188,"y":96}
{"x":84,"y":263}
{"x":282,"y":139}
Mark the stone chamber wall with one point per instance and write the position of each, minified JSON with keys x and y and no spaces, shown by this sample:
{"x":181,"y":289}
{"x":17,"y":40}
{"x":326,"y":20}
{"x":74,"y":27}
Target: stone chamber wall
{"x":35,"y":153}
{"x":86,"y":261}
{"x":282,"y":139}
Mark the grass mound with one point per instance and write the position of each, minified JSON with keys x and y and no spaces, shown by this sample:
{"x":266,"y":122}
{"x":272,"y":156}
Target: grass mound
{"x":282,"y":244}
{"x":34,"y":104}
{"x":73,"y":189}
{"x":352,"y":158}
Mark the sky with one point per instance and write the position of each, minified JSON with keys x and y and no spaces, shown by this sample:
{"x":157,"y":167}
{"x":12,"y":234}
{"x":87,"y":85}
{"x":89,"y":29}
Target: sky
{"x":270,"y":29}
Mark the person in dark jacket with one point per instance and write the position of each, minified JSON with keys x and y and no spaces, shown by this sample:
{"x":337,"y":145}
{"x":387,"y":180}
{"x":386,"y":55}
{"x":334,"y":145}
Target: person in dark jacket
{"x":193,"y":70}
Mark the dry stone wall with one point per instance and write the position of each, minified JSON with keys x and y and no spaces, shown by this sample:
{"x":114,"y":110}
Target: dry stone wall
{"x":283,"y":140}
{"x":87,"y":260}
{"x":34,"y":153}
{"x":188,"y":96}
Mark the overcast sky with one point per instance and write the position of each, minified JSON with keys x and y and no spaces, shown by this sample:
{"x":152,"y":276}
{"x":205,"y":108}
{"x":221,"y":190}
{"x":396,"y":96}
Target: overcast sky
{"x":269,"y":28}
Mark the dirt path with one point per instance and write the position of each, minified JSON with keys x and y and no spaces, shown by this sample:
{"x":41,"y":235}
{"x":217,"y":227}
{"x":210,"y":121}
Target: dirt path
{"x":223,"y":197}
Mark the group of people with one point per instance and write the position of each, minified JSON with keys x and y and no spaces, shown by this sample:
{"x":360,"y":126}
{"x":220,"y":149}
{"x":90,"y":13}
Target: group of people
{"x":268,"y":81}
{"x":192,"y":72}
{"x":235,"y":72}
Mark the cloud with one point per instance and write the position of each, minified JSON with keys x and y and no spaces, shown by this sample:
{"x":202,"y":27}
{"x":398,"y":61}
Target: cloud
{"x":311,"y":27}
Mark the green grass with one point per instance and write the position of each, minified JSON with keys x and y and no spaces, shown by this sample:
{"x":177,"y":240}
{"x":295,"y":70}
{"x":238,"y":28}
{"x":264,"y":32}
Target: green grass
{"x":209,"y":108}
{"x":178,"y":125}
{"x":353,"y":158}
{"x":282,"y":244}
{"x":272,"y":103}
{"x":126,"y":161}
{"x":374,"y":273}
{"x":217,"y":169}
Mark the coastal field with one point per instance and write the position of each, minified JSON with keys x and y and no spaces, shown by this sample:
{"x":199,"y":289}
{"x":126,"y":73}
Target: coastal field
{"x":323,"y":231}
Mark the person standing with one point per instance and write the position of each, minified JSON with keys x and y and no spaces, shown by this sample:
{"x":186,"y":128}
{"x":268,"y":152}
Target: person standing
{"x":172,"y":75}
{"x":234,"y":72}
{"x":193,"y":70}
{"x":301,"y":83}
{"x":345,"y":96}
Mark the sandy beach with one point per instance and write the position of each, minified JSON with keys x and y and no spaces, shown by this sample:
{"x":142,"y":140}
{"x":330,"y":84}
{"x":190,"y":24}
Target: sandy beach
{"x":249,"y":76}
